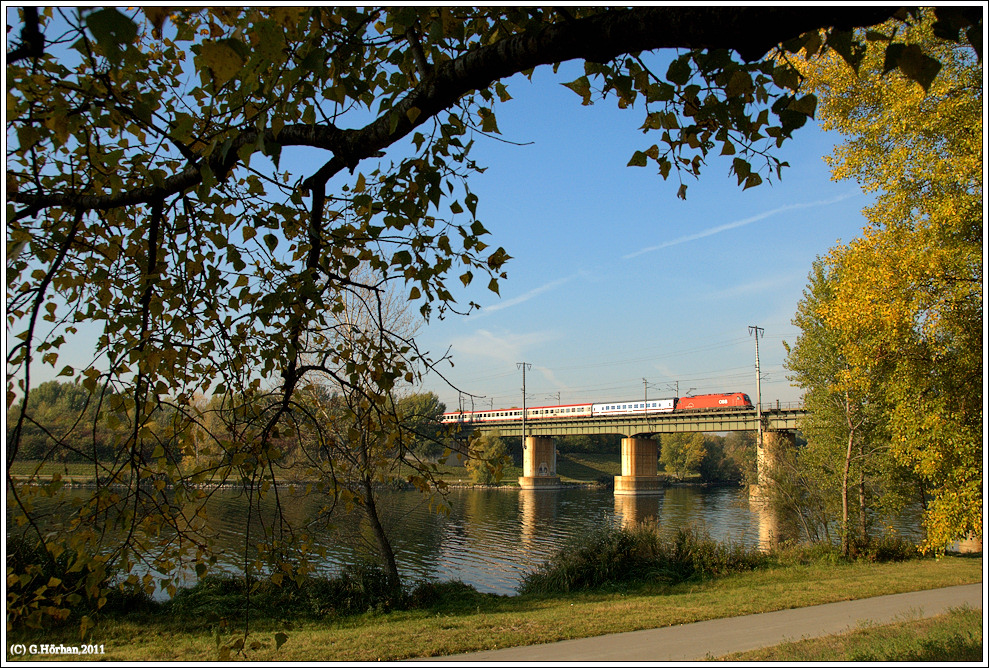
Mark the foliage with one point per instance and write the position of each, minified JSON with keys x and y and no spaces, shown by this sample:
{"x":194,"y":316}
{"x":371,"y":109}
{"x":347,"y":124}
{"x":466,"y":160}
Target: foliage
{"x":682,"y":453}
{"x":61,"y":424}
{"x":357,"y":589}
{"x":488,"y":455}
{"x":601,"y":444}
{"x":907,"y":300}
{"x":613,"y":557}
{"x":847,"y":453}
{"x":43,"y":584}
{"x":419,"y":414}
{"x":205,"y":191}
{"x":710,"y":456}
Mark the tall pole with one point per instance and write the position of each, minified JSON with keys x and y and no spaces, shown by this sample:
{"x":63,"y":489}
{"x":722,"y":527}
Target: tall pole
{"x":645,"y":396}
{"x":758,"y":381}
{"x":523,"y":366}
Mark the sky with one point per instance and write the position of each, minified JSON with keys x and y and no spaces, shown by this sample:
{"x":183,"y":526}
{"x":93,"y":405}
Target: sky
{"x":617,"y":288}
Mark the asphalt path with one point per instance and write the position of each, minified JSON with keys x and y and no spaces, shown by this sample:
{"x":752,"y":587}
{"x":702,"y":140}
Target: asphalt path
{"x":717,"y":637}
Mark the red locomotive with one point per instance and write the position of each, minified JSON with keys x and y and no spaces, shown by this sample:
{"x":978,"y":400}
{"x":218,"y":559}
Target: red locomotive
{"x":706,"y":402}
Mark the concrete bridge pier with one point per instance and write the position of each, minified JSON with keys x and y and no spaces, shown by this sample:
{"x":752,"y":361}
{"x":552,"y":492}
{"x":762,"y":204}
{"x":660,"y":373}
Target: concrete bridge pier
{"x":539,"y":464}
{"x":639,"y":468}
{"x":774,"y":444}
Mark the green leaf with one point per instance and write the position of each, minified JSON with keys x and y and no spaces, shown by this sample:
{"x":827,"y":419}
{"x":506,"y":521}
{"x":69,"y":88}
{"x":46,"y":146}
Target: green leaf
{"x":111,"y":29}
{"x":913,"y":63}
{"x":679,"y":71}
{"x":280,"y":639}
{"x":488,"y":122}
{"x":221,"y":59}
{"x":740,"y":83}
{"x":638,"y":160}
{"x":581,"y":86}
{"x":751,"y":181}
{"x":805,"y":105}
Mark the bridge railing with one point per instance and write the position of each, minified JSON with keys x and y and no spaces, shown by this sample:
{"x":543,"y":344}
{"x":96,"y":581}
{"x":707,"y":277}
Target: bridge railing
{"x":782,"y":406}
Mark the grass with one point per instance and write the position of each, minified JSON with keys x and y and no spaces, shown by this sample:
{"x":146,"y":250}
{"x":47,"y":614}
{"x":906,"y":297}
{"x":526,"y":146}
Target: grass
{"x":473,"y":622}
{"x":956,"y":636}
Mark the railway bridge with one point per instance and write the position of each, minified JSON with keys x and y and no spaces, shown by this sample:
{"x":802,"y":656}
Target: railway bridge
{"x":640,"y":451}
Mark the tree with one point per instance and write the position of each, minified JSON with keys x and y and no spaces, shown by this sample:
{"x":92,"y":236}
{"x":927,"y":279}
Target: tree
{"x":908,"y":299}
{"x":721,"y":464}
{"x":420,"y":414}
{"x":846,"y":426}
{"x":487,"y":456}
{"x":156,"y":193}
{"x":682,"y":453}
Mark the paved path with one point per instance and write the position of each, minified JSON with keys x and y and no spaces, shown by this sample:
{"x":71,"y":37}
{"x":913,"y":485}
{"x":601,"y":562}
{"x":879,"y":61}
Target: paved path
{"x":717,"y":637}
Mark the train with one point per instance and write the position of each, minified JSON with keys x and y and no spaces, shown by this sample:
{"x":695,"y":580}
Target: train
{"x":700,"y":402}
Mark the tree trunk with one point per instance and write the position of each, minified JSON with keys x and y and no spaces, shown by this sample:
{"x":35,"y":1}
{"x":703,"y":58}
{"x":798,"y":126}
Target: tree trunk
{"x":863,"y":523}
{"x":384,"y":545}
{"x":844,"y":494}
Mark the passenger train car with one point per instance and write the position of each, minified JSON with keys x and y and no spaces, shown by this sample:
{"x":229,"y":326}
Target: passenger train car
{"x":702,"y":402}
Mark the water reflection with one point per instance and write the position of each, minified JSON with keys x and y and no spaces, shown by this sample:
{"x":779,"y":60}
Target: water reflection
{"x":634,"y":510}
{"x":490,"y":537}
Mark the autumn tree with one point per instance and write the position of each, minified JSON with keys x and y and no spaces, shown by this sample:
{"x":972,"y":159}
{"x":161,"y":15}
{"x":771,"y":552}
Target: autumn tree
{"x":846,"y":471}
{"x":197,"y":186}
{"x":908,"y":296}
{"x":682,"y":454}
{"x":487,"y":457}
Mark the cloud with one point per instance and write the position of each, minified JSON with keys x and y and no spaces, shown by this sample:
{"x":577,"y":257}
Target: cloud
{"x":535,"y":292}
{"x":551,"y":377}
{"x":756,"y":287}
{"x":507,"y":347}
{"x":738,"y":223}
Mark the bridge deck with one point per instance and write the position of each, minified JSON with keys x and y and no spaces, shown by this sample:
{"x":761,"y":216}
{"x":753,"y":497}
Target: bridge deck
{"x":645,"y":425}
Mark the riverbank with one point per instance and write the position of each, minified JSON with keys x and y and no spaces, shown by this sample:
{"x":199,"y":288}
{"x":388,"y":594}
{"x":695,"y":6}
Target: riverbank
{"x":585,"y":469}
{"x":479,"y":622}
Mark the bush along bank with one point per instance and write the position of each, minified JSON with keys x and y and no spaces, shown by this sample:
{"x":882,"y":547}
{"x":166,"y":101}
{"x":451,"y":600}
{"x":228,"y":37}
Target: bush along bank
{"x":608,"y":559}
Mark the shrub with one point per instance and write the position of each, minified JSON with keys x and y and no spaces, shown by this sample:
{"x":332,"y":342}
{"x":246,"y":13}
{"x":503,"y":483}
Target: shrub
{"x":430,"y":594}
{"x":616,"y":556}
{"x":884,"y":548}
{"x":44,"y":589}
{"x":358,"y":589}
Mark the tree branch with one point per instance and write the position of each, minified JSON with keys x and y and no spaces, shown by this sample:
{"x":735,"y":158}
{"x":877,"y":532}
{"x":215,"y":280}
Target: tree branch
{"x":750,"y":31}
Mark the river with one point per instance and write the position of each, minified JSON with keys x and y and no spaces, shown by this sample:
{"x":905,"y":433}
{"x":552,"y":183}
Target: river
{"x":492,"y":536}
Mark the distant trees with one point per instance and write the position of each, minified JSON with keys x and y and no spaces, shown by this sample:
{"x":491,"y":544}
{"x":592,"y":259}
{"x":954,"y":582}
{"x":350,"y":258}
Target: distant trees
{"x":487,"y":456}
{"x":712,"y":457}
{"x":419,"y":413}
{"x":60,"y":424}
{"x":602,"y":444}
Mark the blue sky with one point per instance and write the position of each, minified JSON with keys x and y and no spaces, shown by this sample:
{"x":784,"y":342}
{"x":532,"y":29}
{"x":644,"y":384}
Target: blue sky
{"x":614,"y":280}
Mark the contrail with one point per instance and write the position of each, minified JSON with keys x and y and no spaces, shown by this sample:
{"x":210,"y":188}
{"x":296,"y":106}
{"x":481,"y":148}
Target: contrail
{"x":733,"y":225}
{"x":528,"y":295}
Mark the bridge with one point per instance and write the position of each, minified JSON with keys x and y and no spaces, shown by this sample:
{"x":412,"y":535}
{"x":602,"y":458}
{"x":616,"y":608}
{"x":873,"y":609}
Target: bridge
{"x":640,"y":452}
